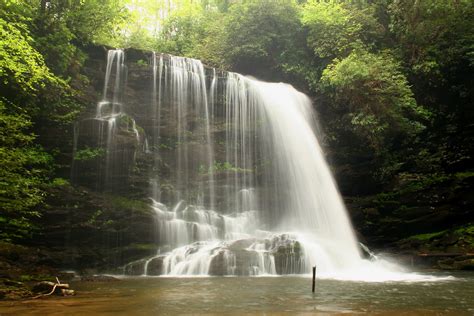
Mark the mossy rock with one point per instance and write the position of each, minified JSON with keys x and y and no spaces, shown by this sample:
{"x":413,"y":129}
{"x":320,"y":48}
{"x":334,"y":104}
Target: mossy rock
{"x":467,"y":264}
{"x":13,"y":290}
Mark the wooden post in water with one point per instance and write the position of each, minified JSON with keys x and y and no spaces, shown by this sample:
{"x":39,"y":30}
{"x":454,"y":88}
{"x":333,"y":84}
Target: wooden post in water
{"x":314,"y":278}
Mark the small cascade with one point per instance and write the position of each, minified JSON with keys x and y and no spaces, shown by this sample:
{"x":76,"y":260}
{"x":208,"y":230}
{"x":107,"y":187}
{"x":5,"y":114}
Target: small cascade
{"x":157,"y":69}
{"x":185,"y":224}
{"x":111,"y":103}
{"x":185,"y":125}
{"x":111,"y":138}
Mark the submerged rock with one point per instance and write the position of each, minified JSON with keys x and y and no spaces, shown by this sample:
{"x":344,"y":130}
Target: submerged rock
{"x":99,"y":278}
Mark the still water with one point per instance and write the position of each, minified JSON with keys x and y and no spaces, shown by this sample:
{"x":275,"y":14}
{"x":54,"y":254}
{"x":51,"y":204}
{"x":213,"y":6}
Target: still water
{"x":256,"y":296}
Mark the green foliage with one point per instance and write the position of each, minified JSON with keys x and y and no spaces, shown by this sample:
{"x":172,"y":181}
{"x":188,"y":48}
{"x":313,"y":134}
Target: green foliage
{"x":375,"y":97}
{"x":261,"y":34}
{"x":468,"y":229}
{"x":23,"y":172}
{"x":57,"y":27}
{"x":142,"y":62}
{"x":182,"y":29}
{"x":25,"y":78}
{"x":392,"y":80}
{"x":466,"y":234}
{"x":433,"y":33}
{"x":89,"y":154}
{"x":209,"y":46}
{"x":31,"y":97}
{"x":59,"y":182}
{"x":335,"y":28}
{"x":22,"y":67}
{"x":93,"y":219}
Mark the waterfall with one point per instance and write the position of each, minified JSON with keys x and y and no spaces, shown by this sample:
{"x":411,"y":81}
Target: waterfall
{"x":251,"y":191}
{"x":238,"y":180}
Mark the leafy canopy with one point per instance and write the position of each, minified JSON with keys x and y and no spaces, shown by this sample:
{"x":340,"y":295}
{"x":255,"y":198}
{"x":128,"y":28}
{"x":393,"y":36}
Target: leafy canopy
{"x":375,"y":98}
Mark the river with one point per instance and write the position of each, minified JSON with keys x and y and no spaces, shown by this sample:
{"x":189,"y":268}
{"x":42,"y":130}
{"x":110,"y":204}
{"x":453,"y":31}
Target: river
{"x":256,"y":296}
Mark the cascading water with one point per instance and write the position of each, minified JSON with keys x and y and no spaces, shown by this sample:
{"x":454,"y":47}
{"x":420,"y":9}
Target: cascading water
{"x":116,"y":134}
{"x":239,"y":183}
{"x":266,"y":126}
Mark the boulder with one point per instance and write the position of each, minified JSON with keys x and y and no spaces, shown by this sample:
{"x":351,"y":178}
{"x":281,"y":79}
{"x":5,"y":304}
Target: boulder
{"x":155,"y":266}
{"x":135,"y":268}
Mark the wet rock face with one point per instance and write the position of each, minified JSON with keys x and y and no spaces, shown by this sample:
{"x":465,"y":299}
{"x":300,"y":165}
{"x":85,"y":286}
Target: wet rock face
{"x":132,"y":163}
{"x":151,"y":267}
{"x":289,"y":256}
{"x":155,"y":266}
{"x":431,"y":218}
{"x":280,"y":254}
{"x":87,"y":230}
{"x":135,"y":268}
{"x":277,"y":254}
{"x":110,"y":167}
{"x":218,"y":266}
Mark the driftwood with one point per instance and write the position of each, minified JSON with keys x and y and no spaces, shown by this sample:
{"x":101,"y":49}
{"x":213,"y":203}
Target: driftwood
{"x":58,"y":288}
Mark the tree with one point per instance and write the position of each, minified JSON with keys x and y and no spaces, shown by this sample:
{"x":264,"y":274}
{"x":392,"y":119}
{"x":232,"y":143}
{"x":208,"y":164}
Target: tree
{"x":262,"y":36}
{"x":336,"y":27}
{"x":22,"y":176}
{"x":375,"y":103}
{"x":433,"y":34}
{"x":435,"y":40}
{"x":183,"y":29}
{"x":22,"y":68}
{"x":61,"y":27}
{"x":25,"y":81}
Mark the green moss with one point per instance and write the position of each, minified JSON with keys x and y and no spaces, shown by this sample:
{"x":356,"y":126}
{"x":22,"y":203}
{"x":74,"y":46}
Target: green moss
{"x":38,"y":277}
{"x":142,"y":62}
{"x":469,"y":229}
{"x":141,"y":246}
{"x":466,"y":234}
{"x":221,"y":167}
{"x":464,"y":175}
{"x":427,"y":237}
{"x":425,"y":182}
{"x":125,"y":203}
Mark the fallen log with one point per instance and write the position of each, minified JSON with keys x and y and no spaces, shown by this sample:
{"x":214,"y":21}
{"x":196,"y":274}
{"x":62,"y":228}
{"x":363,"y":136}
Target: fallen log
{"x":57,"y":288}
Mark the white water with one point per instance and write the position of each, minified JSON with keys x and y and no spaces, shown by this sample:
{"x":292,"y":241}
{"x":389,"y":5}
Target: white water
{"x":253,"y":194}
